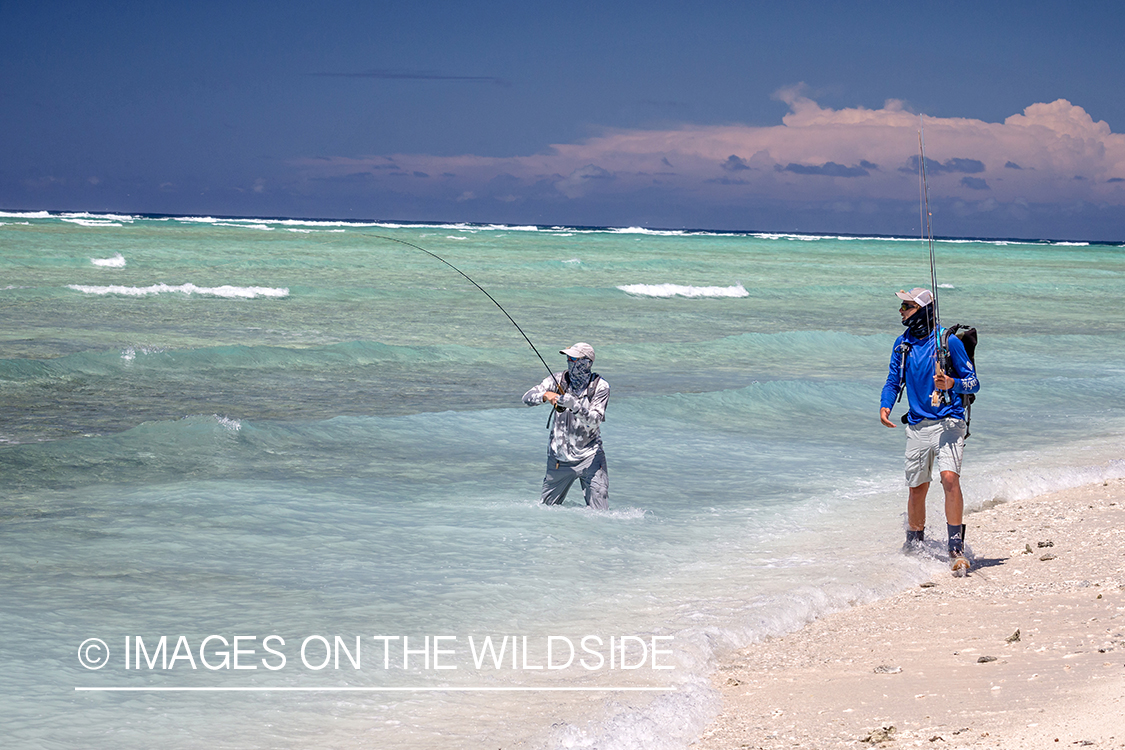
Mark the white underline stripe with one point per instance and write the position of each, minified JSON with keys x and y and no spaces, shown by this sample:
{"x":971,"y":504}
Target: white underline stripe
{"x":370,"y":689}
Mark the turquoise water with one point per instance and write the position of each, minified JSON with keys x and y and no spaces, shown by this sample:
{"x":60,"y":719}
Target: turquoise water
{"x":264,"y":427}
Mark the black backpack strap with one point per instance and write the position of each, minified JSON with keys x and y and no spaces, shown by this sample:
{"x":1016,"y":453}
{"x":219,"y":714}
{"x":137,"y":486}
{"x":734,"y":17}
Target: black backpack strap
{"x":903,"y":350}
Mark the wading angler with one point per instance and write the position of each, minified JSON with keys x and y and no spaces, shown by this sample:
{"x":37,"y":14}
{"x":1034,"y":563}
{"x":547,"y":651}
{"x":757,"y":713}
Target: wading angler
{"x":935,"y":423}
{"x":579,"y":397}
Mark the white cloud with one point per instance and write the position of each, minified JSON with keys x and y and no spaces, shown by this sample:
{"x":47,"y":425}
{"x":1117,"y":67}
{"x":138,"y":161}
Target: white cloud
{"x":815,"y":154}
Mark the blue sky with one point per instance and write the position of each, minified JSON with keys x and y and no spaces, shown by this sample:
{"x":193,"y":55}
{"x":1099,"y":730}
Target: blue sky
{"x":736,"y":115}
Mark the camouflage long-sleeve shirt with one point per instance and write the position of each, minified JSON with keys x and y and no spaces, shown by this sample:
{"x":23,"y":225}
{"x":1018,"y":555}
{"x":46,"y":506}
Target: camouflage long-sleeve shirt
{"x":576,"y":434}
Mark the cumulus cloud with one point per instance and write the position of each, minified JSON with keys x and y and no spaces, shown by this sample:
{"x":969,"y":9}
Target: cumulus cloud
{"x":828,"y":169}
{"x":935,"y":167}
{"x":734,"y":164}
{"x":577,"y":182}
{"x":1038,"y":153}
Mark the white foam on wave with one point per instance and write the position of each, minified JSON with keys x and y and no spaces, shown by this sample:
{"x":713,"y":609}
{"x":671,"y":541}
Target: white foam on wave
{"x":1071,"y":244}
{"x":455,"y":237}
{"x":572,"y":260}
{"x":102,"y":217}
{"x":117,"y":261}
{"x":772,"y":236}
{"x":240,"y":225}
{"x":197,"y":219}
{"x":321,"y":224}
{"x":512,"y":228}
{"x":677,"y":290}
{"x":946,"y":286}
{"x":215,"y":222}
{"x":842,"y":238}
{"x":395,"y":225}
{"x":994,"y":243}
{"x":25,"y":214}
{"x":233,"y":425}
{"x":230,"y":292}
{"x":1028,"y":476}
{"x":330,"y":225}
{"x":130,"y":353}
{"x":92,"y":222}
{"x":651,"y":232}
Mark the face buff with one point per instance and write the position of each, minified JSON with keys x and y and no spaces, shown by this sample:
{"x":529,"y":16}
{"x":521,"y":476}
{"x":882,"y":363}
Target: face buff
{"x":921,"y":323}
{"x":578,"y":373}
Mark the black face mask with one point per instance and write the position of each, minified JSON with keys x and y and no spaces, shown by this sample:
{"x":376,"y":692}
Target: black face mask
{"x":921,"y":323}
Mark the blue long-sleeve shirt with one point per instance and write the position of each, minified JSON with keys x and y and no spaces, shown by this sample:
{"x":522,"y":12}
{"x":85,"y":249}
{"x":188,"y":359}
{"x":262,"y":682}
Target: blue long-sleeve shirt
{"x":920,"y":378}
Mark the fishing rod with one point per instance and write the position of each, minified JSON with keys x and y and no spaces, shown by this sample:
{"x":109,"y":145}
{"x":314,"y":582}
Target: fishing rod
{"x":937,"y":397}
{"x":558,"y":386}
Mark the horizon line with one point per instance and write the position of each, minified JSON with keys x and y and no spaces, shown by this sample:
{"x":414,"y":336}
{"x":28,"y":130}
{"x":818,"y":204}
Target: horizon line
{"x":412,"y":223}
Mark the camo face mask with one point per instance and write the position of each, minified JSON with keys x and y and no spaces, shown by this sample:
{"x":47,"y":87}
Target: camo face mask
{"x":578,"y":373}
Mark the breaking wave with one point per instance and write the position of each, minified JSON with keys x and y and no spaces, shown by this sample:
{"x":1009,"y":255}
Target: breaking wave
{"x":117,"y":261}
{"x":242,"y":292}
{"x":677,"y":290}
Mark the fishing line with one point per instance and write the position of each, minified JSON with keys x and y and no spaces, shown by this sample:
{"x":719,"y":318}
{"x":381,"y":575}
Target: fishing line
{"x":486,"y":294}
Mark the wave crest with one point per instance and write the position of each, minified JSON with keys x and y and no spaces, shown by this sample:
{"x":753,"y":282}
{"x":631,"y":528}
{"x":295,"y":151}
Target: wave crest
{"x":230,"y":292}
{"x":677,"y":290}
{"x":117,"y":261}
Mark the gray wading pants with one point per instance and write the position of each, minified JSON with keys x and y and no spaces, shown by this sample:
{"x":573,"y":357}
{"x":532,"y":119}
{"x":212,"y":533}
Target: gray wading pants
{"x":591,"y":473}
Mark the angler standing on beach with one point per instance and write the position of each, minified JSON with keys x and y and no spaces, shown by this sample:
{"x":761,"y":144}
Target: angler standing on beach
{"x":574,"y":451}
{"x":935,"y":423}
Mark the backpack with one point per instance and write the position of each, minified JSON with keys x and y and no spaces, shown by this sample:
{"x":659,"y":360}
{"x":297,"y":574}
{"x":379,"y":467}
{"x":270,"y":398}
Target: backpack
{"x":968,"y":338}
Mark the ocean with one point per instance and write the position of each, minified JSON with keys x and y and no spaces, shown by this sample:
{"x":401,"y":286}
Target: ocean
{"x":268,"y":483}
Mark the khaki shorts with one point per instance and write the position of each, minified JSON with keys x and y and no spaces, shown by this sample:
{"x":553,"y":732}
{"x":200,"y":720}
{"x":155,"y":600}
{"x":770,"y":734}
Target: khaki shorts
{"x":931,"y":441}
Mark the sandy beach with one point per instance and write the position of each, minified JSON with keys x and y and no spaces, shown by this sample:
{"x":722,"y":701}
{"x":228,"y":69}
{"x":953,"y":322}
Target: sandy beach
{"x":1026,"y":652}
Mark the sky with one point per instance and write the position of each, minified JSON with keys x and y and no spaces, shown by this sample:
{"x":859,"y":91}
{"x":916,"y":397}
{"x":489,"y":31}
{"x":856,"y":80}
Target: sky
{"x":776,"y":117}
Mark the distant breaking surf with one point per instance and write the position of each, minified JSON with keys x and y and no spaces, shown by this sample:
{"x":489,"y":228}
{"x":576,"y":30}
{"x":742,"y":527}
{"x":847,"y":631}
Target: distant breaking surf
{"x":242,"y":292}
{"x":677,"y":290}
{"x":117,"y":261}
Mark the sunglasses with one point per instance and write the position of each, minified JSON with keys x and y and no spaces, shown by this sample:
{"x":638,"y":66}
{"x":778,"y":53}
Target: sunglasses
{"x":907,"y":306}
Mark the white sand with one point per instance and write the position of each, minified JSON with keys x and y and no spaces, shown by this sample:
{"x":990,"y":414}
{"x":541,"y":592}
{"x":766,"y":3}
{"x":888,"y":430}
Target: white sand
{"x":1061,"y":684}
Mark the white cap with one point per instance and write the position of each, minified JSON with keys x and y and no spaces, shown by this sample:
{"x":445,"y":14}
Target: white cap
{"x":917,"y":295}
{"x":581,"y":350}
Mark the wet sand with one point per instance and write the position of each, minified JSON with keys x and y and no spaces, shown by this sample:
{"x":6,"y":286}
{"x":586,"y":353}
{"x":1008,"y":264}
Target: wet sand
{"x":942,"y":665}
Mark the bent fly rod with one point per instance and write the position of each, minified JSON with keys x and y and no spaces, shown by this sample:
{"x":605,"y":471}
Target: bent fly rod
{"x":937,"y":396}
{"x":558,"y":387}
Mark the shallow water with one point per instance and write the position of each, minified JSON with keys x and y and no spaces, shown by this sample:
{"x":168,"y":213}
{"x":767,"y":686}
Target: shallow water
{"x":252,"y":428}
